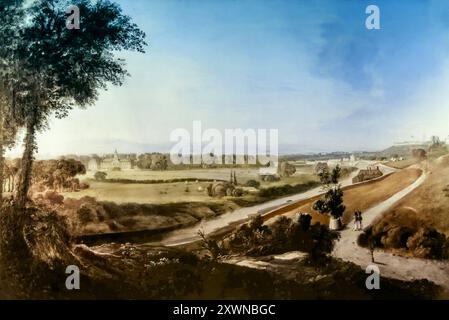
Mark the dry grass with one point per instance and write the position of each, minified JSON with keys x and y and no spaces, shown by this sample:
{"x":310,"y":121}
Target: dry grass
{"x":428,"y":205}
{"x":243,"y":174}
{"x":400,"y":164}
{"x":363,"y":196}
{"x":172,"y":192}
{"x":144,"y":193}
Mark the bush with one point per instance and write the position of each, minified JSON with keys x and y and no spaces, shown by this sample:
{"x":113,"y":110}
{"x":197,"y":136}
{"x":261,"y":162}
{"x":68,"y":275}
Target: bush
{"x":84,"y":186}
{"x":116,"y":169}
{"x":237,"y":192}
{"x":113,"y":226}
{"x":100,"y":175}
{"x":282,"y":236}
{"x":428,"y":243}
{"x":396,"y":237}
{"x":35,"y":250}
{"x":422,"y":243}
{"x":286,"y":169}
{"x":112,"y":209}
{"x":270,"y":178}
{"x":128,"y":222}
{"x":279,"y":191}
{"x":54,"y":198}
{"x":253,"y":183}
{"x":85,"y":214}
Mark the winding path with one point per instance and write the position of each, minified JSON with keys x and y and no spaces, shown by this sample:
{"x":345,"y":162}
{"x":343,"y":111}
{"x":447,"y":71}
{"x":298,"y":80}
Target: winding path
{"x":391,"y":266}
{"x":237,"y":217}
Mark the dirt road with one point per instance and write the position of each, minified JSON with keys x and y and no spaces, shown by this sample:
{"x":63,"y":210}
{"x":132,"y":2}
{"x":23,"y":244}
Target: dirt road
{"x":390,"y":265}
{"x":188,"y":235}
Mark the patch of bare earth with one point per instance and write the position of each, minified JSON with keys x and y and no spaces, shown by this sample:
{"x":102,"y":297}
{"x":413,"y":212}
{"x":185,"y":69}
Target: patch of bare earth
{"x":364,"y":196}
{"x":428,"y":205}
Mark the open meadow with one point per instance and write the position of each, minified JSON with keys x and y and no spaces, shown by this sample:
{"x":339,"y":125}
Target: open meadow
{"x":190,"y":191}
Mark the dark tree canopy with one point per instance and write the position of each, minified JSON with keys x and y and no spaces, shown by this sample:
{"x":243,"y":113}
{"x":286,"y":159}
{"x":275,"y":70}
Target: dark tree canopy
{"x":48,"y":69}
{"x":332,"y":201}
{"x":70,"y":66}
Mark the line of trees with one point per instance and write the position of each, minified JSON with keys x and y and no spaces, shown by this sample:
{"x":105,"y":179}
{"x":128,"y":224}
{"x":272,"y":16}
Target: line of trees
{"x":47,"y":69}
{"x":58,"y":175}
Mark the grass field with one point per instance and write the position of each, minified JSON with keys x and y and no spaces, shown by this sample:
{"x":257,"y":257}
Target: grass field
{"x":144,"y":193}
{"x":428,"y":205}
{"x":400,"y":164}
{"x":172,"y":192}
{"x":243,"y":174}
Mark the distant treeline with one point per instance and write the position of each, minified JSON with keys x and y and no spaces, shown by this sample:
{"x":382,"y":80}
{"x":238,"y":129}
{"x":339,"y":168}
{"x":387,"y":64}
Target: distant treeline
{"x":156,"y":181}
{"x":285,"y":190}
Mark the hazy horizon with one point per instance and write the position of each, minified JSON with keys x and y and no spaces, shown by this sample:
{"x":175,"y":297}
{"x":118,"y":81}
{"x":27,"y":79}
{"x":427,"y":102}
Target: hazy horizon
{"x":309,"y":69}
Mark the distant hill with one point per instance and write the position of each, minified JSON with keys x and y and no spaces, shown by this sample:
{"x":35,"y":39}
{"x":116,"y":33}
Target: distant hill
{"x":402,"y":150}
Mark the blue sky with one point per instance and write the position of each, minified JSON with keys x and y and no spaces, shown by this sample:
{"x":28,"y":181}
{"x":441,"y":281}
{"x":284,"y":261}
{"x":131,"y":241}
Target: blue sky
{"x":308,"y":68}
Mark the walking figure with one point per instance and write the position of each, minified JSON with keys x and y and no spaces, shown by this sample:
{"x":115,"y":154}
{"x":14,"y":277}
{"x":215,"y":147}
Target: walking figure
{"x":360,"y":220}
{"x":357,"y":220}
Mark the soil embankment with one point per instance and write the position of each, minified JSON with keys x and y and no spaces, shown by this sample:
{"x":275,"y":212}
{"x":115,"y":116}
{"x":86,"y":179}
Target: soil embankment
{"x":360,"y":196}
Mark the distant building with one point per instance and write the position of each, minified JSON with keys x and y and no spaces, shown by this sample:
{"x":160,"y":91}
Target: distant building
{"x":371,"y":172}
{"x":94,"y":164}
{"x":109,"y":163}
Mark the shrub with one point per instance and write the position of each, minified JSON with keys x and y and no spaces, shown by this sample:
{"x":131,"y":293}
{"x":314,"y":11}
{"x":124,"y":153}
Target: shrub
{"x":422,"y":243}
{"x":237,"y":192}
{"x":84,"y":186}
{"x":35,"y":250}
{"x":112,"y":209}
{"x":113,"y":226}
{"x":100,"y":175}
{"x":253,"y":183}
{"x":428,"y":243}
{"x":279,"y":191}
{"x":270,"y":178}
{"x":128,"y":222}
{"x":282,"y":236}
{"x":85,"y":214}
{"x":286,"y":169}
{"x":396,"y":237}
{"x":116,"y":169}
{"x":53,"y":197}
{"x":211,"y":246}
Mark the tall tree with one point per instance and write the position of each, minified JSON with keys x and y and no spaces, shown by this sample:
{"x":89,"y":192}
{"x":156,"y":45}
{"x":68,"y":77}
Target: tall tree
{"x":66,"y":68}
{"x":11,"y":17}
{"x":332,"y":201}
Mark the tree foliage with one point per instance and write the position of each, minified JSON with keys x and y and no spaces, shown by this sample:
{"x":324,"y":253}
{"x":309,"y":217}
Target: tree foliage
{"x":286,"y":169}
{"x":100,"y":175}
{"x":57,"y":174}
{"x":283,"y":235}
{"x":332,"y":201}
{"x":49,"y":69}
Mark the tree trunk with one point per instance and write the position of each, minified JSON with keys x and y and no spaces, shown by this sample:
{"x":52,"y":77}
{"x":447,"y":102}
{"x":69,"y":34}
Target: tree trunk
{"x":27,"y":162}
{"x":2,"y":167}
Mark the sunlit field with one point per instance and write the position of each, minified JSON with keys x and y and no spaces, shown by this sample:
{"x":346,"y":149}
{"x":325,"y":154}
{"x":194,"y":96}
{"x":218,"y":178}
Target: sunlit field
{"x":191,"y":191}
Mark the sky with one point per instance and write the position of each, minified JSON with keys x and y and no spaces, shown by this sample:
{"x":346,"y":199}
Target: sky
{"x":310,"y":69}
